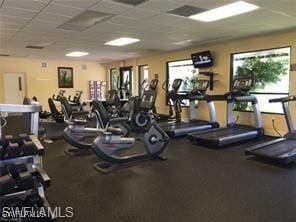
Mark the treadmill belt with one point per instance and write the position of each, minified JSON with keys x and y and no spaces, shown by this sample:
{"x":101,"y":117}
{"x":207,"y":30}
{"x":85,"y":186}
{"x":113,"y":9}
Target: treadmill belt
{"x":277,"y":149}
{"x":225,"y":136}
{"x":223,"y":132}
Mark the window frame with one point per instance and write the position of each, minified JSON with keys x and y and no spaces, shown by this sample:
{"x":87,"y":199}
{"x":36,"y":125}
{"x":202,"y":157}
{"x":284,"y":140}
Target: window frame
{"x":260,"y":93}
{"x":110,"y":77}
{"x":167,"y":78}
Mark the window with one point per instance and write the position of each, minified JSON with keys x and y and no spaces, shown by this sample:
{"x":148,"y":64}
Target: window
{"x":143,"y":75}
{"x":271,"y":72}
{"x":113,"y":78}
{"x":182,"y":70}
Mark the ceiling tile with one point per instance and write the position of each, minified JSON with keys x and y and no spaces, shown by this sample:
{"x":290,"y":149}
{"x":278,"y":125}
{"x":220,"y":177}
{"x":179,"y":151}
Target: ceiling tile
{"x":23,"y":13}
{"x":172,"y":20}
{"x":283,"y":8}
{"x":111,"y":7}
{"x":13,"y":19}
{"x":122,"y":20}
{"x":62,"y":10}
{"x":39,"y":24}
{"x":139,"y":14}
{"x":10,"y":25}
{"x":7,"y":31}
{"x":160,"y":5}
{"x":83,"y":4}
{"x":26,"y":4}
{"x":53,"y":18}
{"x":266,"y":3}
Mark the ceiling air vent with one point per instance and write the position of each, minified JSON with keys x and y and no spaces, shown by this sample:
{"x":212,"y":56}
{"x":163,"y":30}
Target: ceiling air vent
{"x":186,"y":11}
{"x":39,"y":45}
{"x":4,"y":55}
{"x":34,"y":47}
{"x":43,"y":64}
{"x":131,"y":2}
{"x":85,"y":20}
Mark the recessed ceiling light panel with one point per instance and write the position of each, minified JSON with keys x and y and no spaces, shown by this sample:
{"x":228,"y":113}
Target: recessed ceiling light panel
{"x":77,"y":54}
{"x":122,"y":41}
{"x":225,"y":11}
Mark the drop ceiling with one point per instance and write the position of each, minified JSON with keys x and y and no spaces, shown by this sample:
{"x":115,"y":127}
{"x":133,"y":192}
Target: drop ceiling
{"x":25,"y":22}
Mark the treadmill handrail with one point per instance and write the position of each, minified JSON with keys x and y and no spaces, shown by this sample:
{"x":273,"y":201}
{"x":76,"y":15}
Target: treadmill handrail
{"x":218,"y":97}
{"x":249,"y":98}
{"x":283,"y":99}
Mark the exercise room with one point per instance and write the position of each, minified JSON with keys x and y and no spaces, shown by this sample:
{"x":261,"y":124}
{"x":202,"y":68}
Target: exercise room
{"x":147,"y":110}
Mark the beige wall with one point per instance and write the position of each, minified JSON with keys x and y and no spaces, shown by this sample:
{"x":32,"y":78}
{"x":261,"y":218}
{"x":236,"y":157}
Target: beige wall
{"x":43,"y":82}
{"x":221,"y":52}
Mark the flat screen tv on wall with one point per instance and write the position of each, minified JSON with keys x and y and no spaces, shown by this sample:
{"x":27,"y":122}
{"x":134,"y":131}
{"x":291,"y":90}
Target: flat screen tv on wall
{"x":202,"y":59}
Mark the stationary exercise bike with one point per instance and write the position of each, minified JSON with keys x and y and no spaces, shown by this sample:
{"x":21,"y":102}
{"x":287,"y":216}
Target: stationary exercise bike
{"x":143,"y":110}
{"x":111,"y":141}
{"x":77,"y":133}
{"x":61,"y":94}
{"x":139,"y":110}
{"x":113,"y":104}
{"x":75,"y":101}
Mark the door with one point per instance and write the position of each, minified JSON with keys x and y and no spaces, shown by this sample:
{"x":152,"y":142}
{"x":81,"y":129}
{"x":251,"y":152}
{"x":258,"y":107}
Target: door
{"x":143,"y":75}
{"x":14,"y":88}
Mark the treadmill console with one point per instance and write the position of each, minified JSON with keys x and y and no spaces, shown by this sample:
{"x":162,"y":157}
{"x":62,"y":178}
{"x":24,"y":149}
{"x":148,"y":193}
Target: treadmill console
{"x":243,"y":84}
{"x":200,"y":86}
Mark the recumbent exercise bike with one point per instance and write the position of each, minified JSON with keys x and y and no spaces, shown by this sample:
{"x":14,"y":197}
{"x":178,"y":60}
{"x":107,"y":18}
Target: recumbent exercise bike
{"x":110,"y":141}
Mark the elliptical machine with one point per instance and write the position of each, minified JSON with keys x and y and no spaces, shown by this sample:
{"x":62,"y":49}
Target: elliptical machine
{"x":174,"y":101}
{"x":108,"y":145}
{"x":124,"y":88}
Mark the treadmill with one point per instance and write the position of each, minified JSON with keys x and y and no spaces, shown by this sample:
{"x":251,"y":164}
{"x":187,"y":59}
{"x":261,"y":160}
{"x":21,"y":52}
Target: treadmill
{"x":233,"y":133}
{"x":179,"y":129}
{"x":282,"y":150}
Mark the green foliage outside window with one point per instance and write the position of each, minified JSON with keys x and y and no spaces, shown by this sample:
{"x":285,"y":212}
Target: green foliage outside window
{"x":265,"y":72}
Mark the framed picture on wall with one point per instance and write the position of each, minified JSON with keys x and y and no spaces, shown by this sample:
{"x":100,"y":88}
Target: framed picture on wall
{"x":65,"y":77}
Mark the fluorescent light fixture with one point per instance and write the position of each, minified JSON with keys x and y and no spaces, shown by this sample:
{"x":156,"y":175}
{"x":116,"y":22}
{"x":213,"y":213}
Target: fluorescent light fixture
{"x":77,"y":54}
{"x":122,"y":41}
{"x":225,"y":11}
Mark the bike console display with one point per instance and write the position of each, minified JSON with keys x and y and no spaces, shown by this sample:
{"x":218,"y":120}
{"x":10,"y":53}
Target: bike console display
{"x":176,"y":84}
